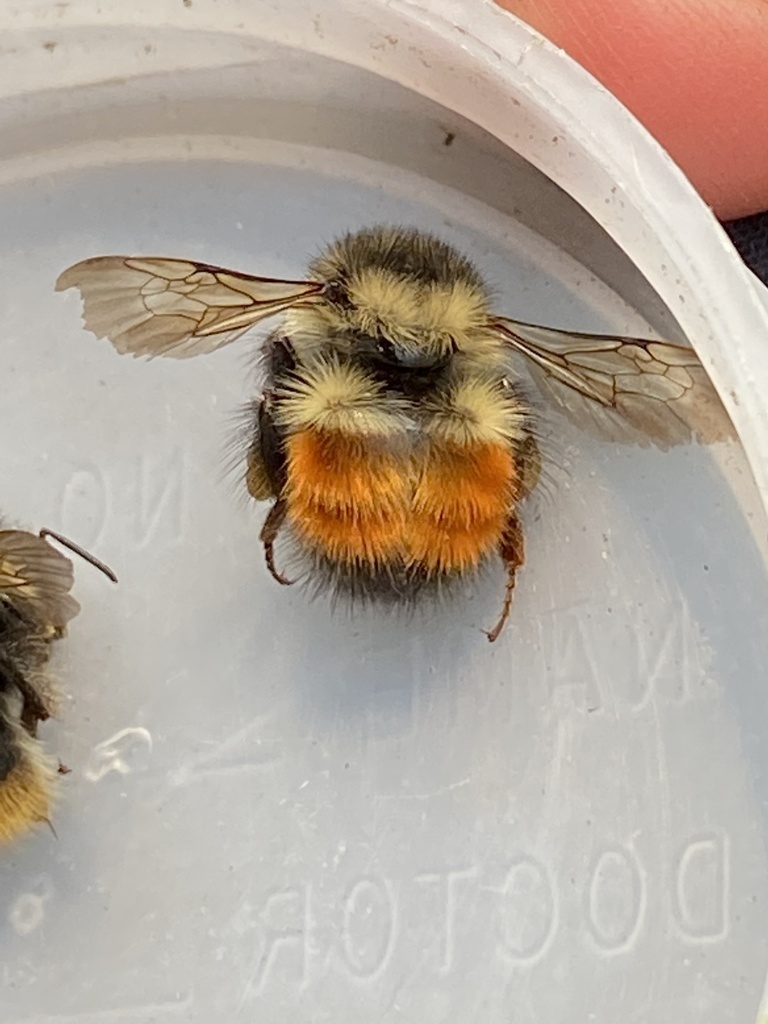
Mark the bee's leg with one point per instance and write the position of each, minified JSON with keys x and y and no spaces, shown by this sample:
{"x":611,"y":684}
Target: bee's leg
{"x":528,"y":460}
{"x":266,"y":477}
{"x":268,"y":536}
{"x":512,"y":551}
{"x":33,"y":709}
{"x":256,"y":475}
{"x":265,"y":471}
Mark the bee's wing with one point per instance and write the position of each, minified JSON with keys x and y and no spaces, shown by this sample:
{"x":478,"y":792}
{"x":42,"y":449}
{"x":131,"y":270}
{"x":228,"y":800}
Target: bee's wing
{"x":148,"y":306}
{"x":35,"y":577}
{"x":622,"y":389}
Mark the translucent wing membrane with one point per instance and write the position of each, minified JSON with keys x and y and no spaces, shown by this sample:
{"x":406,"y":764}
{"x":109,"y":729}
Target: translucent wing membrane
{"x":150,"y":306}
{"x":622,"y":389}
{"x":36,"y":578}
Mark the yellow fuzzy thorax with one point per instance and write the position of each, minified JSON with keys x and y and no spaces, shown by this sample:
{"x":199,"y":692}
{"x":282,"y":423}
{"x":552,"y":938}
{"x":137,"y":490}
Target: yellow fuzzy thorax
{"x":396,"y":307}
{"x":441,"y":317}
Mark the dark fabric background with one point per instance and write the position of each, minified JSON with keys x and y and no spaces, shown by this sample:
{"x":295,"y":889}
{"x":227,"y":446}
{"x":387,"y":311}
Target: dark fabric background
{"x":750,"y":237}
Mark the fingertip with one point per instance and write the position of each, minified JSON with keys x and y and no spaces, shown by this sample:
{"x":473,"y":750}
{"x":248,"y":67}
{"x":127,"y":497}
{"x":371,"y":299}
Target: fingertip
{"x":696,"y":75}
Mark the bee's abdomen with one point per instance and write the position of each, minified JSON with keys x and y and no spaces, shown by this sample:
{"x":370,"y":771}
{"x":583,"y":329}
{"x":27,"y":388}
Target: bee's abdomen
{"x":383,"y":520}
{"x":460,"y":506}
{"x":26,"y":775}
{"x":349,"y":503}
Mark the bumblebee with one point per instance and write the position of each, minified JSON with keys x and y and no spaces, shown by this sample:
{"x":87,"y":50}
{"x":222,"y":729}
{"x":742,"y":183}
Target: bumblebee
{"x":393,"y":435}
{"x":35,"y":608}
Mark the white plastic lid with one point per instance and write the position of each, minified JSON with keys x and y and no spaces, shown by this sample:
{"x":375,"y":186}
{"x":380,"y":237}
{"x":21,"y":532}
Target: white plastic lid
{"x":278,"y":813}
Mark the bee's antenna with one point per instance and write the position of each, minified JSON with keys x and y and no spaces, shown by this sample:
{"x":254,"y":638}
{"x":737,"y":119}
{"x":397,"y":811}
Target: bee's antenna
{"x":86,"y":555}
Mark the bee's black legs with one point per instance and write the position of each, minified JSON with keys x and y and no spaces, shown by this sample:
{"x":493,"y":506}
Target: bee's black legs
{"x":268,"y":536}
{"x":528,"y":466}
{"x":33,"y":709}
{"x":265,"y":474}
{"x":512,"y":551}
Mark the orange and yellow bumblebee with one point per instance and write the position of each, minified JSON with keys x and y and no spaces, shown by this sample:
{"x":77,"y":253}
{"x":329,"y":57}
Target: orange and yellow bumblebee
{"x":393,"y":435}
{"x":35,"y":608}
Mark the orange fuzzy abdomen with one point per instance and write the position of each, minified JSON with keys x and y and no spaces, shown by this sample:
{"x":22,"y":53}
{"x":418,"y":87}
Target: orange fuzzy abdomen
{"x":460,"y":506}
{"x":348,"y":502}
{"x":360,"y":504}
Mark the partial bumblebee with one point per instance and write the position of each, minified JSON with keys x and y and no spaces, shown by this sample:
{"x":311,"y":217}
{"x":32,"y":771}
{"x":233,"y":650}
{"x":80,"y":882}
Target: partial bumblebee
{"x":392,"y":434}
{"x":35,"y":607}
